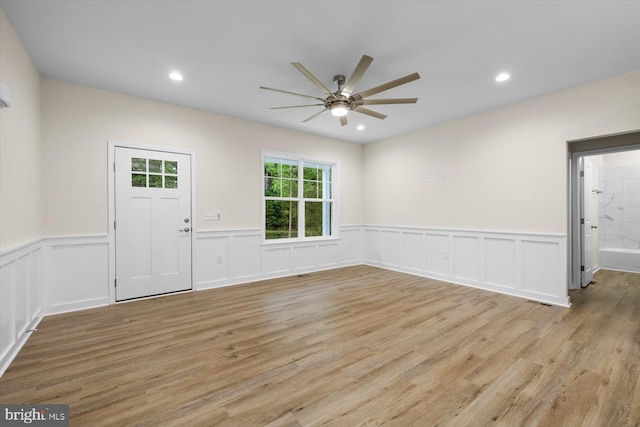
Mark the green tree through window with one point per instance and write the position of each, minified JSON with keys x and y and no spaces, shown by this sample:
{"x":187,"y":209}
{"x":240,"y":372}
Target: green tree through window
{"x":298,"y":198}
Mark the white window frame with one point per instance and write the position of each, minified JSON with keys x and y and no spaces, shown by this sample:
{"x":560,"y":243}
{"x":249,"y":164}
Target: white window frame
{"x":301,"y":159}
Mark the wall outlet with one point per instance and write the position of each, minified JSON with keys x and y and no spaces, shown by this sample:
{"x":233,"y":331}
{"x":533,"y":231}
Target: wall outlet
{"x":445,"y":173}
{"x":445,"y":255}
{"x":219,"y":259}
{"x":427,"y":174}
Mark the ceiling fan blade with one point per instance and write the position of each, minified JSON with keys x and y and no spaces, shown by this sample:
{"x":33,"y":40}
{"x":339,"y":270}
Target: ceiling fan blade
{"x":343,"y":120}
{"x":297,"y":106}
{"x":357,"y":74}
{"x":314,"y":116}
{"x":368,"y":112}
{"x":388,"y":101}
{"x":389,"y":85}
{"x":312,"y":78}
{"x":291,"y":93}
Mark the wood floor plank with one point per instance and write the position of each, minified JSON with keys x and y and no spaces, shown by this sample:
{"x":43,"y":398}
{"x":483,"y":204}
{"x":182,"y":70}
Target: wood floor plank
{"x":355,"y":346}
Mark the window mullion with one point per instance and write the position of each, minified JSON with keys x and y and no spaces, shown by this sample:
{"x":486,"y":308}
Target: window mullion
{"x":301,"y":220}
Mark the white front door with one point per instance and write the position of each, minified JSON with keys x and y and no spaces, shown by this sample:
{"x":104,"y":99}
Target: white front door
{"x":152,"y":222}
{"x":587,"y":223}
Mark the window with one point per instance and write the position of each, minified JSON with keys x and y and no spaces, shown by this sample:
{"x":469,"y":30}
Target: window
{"x":298,"y":198}
{"x":152,"y":176}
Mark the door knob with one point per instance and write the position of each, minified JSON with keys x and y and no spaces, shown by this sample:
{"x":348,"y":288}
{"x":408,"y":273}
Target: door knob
{"x":187,"y":229}
{"x":594,"y":226}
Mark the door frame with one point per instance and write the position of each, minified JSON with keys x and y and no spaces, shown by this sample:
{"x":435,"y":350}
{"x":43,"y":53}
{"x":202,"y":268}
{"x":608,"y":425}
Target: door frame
{"x":111,"y":176}
{"x":576,"y":150}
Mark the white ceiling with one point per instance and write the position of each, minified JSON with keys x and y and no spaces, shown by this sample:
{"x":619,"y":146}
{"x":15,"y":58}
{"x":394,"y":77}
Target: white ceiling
{"x":227,"y":49}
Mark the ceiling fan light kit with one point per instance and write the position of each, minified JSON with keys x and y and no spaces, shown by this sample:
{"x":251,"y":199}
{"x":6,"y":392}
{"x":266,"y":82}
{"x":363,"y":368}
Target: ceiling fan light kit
{"x":342,"y":101}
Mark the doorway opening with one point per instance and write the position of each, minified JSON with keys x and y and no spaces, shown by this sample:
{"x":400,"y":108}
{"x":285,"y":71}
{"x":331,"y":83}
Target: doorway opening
{"x":601,"y":232}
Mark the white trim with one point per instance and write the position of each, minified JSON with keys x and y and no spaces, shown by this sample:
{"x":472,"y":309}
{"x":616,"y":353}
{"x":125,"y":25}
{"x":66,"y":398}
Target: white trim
{"x":461,"y":231}
{"x":19,"y":248}
{"x":303,"y":240}
{"x":111,"y":146}
{"x":574,"y":235}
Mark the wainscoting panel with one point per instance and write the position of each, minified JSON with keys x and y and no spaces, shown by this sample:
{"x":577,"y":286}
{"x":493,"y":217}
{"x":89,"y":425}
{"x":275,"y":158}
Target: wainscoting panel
{"x":21,"y":293}
{"x":245,"y":254}
{"x":250,"y":259}
{"x":372,"y":246}
{"x":21,"y":279}
{"x":500,"y":262}
{"x":540,"y":267}
{"x":328,"y":254}
{"x":276,"y":260}
{"x":213,"y":255}
{"x":389,"y":247}
{"x":304,"y":257}
{"x":7,"y":309}
{"x":410,"y":251}
{"x":526,"y":265}
{"x":437,"y":255}
{"x":77,"y":273}
{"x":350,"y":248}
{"x":465,"y":258}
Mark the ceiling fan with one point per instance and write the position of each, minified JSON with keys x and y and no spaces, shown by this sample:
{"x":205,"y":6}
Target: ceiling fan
{"x":344,"y":100}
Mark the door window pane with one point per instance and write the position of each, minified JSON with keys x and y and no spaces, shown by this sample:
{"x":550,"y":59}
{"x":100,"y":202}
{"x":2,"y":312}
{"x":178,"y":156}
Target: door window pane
{"x":170,"y":181}
{"x":155,"y":181}
{"x":171,"y":167}
{"x":138,"y":180}
{"x":138,"y":165}
{"x":155,"y":166}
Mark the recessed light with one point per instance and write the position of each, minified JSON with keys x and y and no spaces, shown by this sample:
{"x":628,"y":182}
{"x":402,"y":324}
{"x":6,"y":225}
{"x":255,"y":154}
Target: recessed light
{"x":174,"y":75}
{"x":502,"y":77}
{"x":360,"y":127}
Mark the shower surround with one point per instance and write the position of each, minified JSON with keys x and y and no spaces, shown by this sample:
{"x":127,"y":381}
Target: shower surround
{"x":619,"y":217}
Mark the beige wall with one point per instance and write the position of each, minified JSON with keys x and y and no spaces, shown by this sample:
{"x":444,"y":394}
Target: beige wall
{"x":77,"y":122}
{"x":507,"y":168}
{"x":20,"y":190}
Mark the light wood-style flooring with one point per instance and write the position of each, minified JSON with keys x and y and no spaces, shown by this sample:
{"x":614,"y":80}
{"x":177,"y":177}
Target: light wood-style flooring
{"x":346,"y":347}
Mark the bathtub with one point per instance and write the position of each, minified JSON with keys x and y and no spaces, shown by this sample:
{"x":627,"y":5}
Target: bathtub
{"x":619,"y":259}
